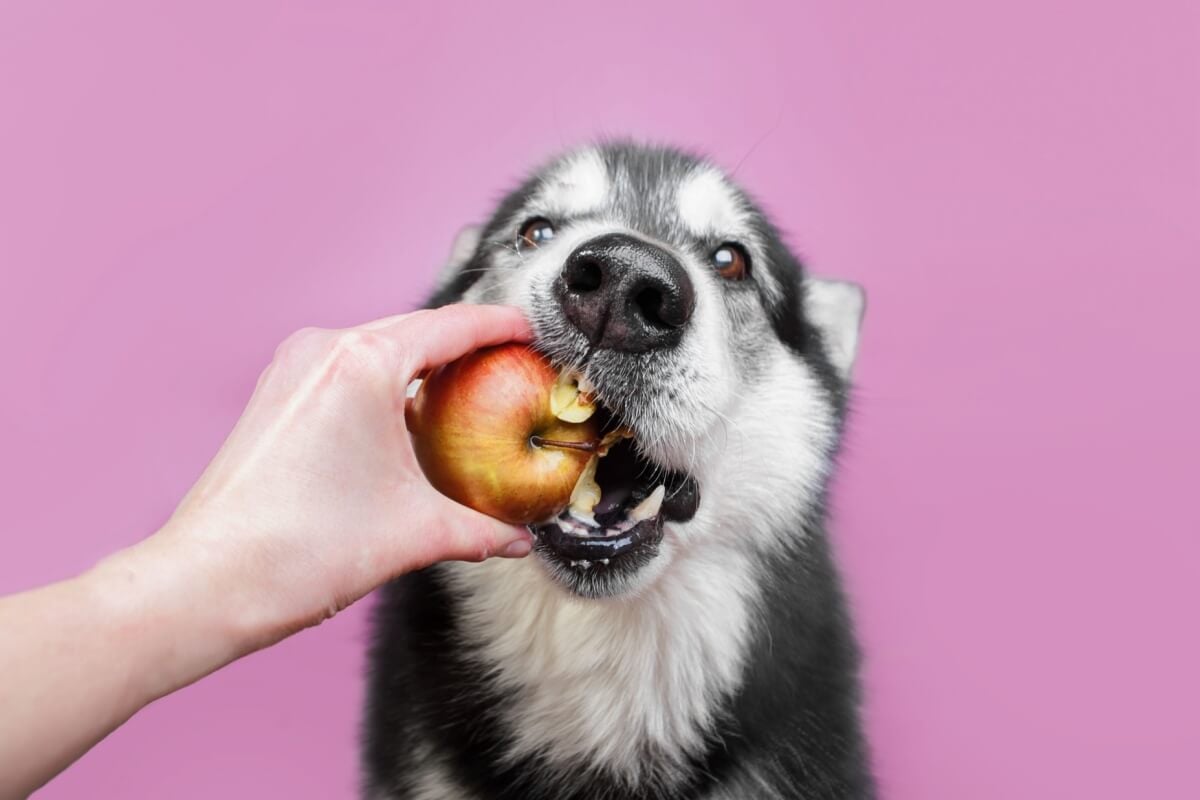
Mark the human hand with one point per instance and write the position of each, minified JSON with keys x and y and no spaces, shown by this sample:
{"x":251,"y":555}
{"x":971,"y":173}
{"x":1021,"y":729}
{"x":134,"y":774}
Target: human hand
{"x":316,"y":497}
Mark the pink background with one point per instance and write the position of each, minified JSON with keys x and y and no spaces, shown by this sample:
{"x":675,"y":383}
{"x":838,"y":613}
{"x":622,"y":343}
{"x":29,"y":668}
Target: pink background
{"x":1016,"y":183}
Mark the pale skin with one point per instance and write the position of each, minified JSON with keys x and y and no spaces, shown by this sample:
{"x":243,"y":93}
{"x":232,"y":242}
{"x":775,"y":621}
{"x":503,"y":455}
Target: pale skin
{"x":314,"y":500}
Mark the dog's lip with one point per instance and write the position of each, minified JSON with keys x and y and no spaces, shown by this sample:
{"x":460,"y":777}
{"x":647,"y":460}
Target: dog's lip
{"x":683,"y":497}
{"x":597,"y":550}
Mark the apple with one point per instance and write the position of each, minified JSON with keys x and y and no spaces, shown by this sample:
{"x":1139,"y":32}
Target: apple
{"x":504,"y":432}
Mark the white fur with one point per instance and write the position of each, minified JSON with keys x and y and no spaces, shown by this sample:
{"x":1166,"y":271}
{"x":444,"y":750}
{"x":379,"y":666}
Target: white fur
{"x":579,"y":186}
{"x":708,"y":205}
{"x":836,"y":307}
{"x":777,"y":454}
{"x":603,"y":680}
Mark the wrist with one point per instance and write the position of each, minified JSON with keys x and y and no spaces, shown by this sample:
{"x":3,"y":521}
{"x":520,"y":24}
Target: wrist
{"x":174,"y":611}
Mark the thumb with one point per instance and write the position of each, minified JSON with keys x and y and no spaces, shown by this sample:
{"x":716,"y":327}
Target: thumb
{"x":467,"y":535}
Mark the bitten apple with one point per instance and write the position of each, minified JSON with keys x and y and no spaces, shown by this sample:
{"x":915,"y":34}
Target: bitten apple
{"x":486,"y":433}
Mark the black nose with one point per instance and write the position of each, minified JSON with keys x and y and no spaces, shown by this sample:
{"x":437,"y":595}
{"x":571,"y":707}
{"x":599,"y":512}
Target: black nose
{"x":626,"y":294}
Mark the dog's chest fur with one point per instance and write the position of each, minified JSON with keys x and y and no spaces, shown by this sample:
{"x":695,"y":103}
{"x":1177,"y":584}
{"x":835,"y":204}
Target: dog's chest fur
{"x":612,"y":683}
{"x":483,"y":689}
{"x":576,"y":686}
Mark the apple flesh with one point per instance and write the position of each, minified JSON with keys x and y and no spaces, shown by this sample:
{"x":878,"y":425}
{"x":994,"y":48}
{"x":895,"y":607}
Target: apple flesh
{"x":486,"y":433}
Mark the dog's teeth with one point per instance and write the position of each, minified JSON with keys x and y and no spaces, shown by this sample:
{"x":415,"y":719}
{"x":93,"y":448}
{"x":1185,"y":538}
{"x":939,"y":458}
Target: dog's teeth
{"x":604,"y":561}
{"x":585,"y":564}
{"x":648,"y":508}
{"x":571,"y":527}
{"x":586,"y":519}
{"x":586,"y":494}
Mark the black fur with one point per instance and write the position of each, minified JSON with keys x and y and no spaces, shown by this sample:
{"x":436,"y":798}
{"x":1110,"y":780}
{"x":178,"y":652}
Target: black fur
{"x":793,"y":723}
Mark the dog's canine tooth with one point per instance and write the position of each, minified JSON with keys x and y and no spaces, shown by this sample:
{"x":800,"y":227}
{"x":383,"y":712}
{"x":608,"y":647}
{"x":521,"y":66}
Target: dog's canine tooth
{"x":648,"y":508}
{"x":586,"y":494}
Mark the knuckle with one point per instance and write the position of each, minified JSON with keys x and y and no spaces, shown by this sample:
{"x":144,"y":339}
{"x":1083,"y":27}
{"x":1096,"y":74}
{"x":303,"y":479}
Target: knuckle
{"x":360,"y":350}
{"x":483,"y":551}
{"x":341,"y":358}
{"x":298,"y":342}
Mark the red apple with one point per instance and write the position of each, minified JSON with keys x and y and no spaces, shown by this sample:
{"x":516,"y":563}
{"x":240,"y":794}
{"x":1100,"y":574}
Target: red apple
{"x":486,"y":433}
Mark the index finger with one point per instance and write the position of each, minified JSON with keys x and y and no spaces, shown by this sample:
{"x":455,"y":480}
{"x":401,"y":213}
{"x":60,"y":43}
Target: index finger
{"x":440,"y":335}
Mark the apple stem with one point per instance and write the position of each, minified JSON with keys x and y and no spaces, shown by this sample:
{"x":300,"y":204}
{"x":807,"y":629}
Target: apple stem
{"x":587,"y":447}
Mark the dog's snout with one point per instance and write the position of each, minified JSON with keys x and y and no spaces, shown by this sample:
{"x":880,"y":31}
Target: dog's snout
{"x":626,"y":294}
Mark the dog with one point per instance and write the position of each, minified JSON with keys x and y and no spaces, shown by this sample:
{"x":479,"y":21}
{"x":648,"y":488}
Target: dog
{"x":687,"y":642}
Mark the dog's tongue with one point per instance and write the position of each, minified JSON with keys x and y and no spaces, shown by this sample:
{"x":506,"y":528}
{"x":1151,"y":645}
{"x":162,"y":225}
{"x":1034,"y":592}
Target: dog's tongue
{"x":609,"y":510}
{"x":625,"y":481}
{"x":616,"y":474}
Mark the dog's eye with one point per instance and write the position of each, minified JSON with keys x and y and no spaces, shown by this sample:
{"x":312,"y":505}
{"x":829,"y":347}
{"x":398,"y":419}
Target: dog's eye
{"x":731,"y":261}
{"x":535,"y":232}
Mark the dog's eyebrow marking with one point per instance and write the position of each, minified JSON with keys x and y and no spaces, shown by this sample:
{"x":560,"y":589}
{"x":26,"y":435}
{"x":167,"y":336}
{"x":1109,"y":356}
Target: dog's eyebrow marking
{"x":707,"y":203}
{"x":579,"y":185}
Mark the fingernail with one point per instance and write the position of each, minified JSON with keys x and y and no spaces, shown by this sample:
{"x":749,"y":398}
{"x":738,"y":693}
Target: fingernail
{"x":518,"y":549}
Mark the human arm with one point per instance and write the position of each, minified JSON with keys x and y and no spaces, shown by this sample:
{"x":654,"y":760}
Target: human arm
{"x":314,"y":499}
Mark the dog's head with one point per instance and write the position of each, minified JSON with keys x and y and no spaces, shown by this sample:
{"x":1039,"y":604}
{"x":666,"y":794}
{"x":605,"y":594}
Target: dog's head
{"x":650,"y":272}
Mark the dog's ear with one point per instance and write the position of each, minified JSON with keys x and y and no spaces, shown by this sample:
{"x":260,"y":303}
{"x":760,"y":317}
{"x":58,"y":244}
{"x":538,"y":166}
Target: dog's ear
{"x":836,"y":308}
{"x":465,"y":242}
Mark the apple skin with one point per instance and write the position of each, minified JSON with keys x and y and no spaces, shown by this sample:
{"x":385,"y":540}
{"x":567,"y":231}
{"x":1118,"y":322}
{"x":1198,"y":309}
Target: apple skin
{"x":471,"y":423}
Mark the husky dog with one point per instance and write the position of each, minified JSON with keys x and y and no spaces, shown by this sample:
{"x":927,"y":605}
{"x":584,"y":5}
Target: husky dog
{"x":694,"y":641}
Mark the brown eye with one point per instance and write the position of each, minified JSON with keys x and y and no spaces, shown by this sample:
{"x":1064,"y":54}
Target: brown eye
{"x":535,"y":232}
{"x":731,"y":261}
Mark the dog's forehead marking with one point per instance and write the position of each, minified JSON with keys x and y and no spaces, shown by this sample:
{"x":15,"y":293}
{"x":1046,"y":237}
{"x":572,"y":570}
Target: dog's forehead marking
{"x":707,"y":203}
{"x":580,"y":184}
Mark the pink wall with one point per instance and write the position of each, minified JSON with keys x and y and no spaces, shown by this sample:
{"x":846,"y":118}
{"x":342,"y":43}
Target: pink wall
{"x":1018,"y":186}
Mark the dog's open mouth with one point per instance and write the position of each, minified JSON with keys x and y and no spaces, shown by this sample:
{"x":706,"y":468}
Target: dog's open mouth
{"x":631,"y":498}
